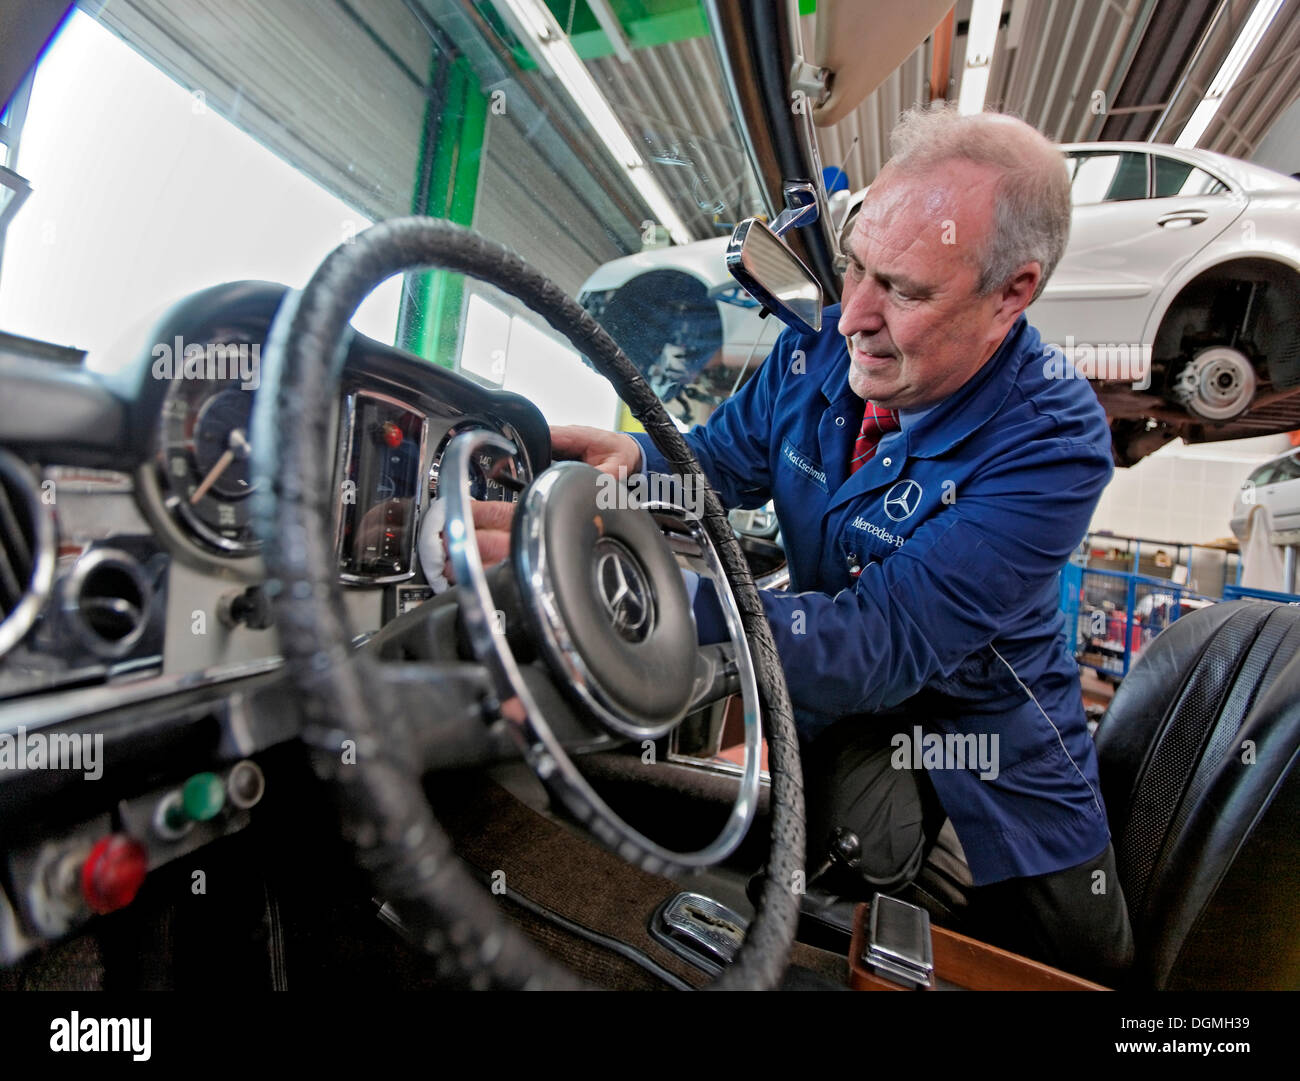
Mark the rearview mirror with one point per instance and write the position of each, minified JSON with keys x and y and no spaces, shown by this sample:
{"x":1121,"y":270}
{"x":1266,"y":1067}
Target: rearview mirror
{"x":774,"y":276}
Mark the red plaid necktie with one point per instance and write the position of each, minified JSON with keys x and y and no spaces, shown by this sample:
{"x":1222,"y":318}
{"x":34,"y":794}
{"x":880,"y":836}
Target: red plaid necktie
{"x":876,"y":424}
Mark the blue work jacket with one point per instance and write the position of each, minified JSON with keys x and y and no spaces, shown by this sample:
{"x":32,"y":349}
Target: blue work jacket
{"x":924,"y":587}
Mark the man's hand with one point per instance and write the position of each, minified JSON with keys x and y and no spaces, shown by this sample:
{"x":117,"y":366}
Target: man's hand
{"x":607,"y":451}
{"x":492,"y":529}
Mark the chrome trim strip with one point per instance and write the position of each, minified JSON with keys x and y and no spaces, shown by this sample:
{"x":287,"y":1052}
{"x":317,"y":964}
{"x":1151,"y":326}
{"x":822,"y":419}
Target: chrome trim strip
{"x":50,"y":709}
{"x":777,"y":579}
{"x":719,"y":766}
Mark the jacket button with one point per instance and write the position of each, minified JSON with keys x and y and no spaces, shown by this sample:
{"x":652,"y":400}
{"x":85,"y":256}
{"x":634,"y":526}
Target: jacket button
{"x":839,"y":422}
{"x":886,"y":461}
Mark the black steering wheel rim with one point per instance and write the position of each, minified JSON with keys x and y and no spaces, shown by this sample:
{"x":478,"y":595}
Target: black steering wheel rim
{"x":384,"y":815}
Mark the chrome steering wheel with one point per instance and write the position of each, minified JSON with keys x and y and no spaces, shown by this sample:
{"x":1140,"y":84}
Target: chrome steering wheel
{"x":642,"y":630}
{"x":350,"y":695}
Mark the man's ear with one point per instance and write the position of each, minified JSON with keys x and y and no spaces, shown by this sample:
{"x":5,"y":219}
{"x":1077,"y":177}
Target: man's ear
{"x":1014,"y":297}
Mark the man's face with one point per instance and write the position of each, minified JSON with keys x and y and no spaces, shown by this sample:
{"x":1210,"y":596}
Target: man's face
{"x":917,"y":329}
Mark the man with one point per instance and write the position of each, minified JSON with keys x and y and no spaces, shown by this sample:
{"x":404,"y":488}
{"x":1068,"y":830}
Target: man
{"x":931,"y":480}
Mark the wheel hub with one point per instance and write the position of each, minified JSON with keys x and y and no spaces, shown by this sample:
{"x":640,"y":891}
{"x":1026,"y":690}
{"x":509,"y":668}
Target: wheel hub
{"x":1217,"y":384}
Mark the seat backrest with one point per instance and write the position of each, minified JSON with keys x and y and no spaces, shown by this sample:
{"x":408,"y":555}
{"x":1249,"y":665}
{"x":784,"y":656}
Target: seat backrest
{"x":1198,"y":769}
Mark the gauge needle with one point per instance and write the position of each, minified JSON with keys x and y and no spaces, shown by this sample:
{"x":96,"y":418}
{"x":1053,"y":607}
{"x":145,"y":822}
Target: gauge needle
{"x":237,"y":447}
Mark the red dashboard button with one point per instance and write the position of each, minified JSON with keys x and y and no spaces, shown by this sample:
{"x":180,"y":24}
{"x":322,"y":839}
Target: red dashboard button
{"x":113,"y":873}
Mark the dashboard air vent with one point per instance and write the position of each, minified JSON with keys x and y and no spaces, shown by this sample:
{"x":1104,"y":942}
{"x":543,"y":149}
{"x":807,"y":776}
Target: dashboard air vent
{"x":108,"y":598}
{"x":26,"y":551}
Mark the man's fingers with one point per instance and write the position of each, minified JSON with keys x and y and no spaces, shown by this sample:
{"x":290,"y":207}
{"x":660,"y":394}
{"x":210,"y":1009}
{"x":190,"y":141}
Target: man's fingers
{"x":493,"y":547}
{"x":611,"y":452}
{"x":492,"y":531}
{"x":489,"y":516}
{"x":570,"y":441}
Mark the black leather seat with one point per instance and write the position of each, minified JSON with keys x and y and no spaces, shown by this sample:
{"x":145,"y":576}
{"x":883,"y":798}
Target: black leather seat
{"x":1198,"y":769}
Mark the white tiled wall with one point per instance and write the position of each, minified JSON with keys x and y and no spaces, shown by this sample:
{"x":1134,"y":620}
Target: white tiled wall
{"x":1181,"y":492}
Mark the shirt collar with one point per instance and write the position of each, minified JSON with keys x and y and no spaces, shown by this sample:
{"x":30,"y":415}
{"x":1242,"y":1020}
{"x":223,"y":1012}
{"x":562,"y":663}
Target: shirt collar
{"x":908,"y":417}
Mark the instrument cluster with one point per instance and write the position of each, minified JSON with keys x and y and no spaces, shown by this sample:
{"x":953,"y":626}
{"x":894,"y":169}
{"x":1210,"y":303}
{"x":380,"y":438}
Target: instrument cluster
{"x":393,"y":428}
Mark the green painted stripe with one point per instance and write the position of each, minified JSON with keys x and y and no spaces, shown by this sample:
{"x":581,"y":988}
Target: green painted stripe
{"x":453,"y":183}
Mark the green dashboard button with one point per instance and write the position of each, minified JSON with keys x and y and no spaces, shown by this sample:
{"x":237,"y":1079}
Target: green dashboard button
{"x":203,"y":796}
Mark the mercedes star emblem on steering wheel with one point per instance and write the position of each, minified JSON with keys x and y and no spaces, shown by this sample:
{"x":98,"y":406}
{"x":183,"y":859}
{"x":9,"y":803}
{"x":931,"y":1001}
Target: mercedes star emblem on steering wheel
{"x":624,"y":592}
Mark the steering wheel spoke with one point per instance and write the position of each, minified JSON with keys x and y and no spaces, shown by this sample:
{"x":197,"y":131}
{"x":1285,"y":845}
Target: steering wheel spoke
{"x":717,"y":675}
{"x":451,"y":719}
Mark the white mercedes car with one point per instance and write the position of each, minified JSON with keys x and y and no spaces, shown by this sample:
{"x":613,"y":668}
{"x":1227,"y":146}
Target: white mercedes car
{"x":1274,"y":484}
{"x":1177,"y":296}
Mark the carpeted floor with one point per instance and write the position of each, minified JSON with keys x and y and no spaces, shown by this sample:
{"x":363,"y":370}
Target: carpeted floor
{"x":550,"y":865}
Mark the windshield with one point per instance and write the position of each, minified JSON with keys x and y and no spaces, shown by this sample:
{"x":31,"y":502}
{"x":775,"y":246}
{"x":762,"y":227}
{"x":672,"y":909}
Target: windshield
{"x":174,"y":144}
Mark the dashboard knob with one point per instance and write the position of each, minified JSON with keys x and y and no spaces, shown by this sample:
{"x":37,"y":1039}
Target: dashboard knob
{"x":113,"y":873}
{"x":251,"y":608}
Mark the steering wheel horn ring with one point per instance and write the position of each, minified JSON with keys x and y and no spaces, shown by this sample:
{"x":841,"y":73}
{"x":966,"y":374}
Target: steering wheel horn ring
{"x":605,"y":600}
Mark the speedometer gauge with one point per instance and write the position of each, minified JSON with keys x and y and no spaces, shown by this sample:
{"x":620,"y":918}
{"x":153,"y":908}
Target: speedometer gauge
{"x":203,"y":460}
{"x":495,"y":476}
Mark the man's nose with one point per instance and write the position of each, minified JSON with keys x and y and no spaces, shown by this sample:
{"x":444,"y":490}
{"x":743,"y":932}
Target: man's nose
{"x":863,"y":309}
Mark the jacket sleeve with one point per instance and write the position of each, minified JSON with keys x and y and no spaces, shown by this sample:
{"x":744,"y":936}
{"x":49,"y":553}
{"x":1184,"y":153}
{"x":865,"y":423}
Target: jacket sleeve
{"x":948,"y":591}
{"x":732,"y":445}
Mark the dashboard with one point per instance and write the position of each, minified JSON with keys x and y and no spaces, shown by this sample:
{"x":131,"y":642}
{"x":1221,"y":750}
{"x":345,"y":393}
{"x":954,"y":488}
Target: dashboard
{"x":134,"y":626}
{"x":142,"y":524}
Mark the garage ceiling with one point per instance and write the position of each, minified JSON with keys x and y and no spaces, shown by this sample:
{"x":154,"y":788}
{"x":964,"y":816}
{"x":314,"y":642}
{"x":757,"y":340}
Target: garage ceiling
{"x":1152,"y":60}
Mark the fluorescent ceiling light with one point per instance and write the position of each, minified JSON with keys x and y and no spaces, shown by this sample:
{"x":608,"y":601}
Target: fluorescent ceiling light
{"x":981,"y":40}
{"x":548,"y":44}
{"x":1238,"y":56}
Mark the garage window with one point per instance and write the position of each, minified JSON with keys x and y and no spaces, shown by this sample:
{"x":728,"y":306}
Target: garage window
{"x":509,"y":351}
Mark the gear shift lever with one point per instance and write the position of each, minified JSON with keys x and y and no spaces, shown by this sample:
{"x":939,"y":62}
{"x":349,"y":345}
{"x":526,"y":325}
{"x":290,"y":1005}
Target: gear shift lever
{"x":845,"y":850}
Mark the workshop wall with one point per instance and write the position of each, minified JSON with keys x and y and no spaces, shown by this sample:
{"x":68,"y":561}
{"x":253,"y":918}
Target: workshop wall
{"x":1183,"y":492}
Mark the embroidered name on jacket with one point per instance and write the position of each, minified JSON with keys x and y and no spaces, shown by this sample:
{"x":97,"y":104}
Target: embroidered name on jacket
{"x":802,"y":463}
{"x":870,"y":527}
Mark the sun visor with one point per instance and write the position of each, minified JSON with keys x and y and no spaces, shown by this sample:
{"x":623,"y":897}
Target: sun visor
{"x":862,"y":47}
